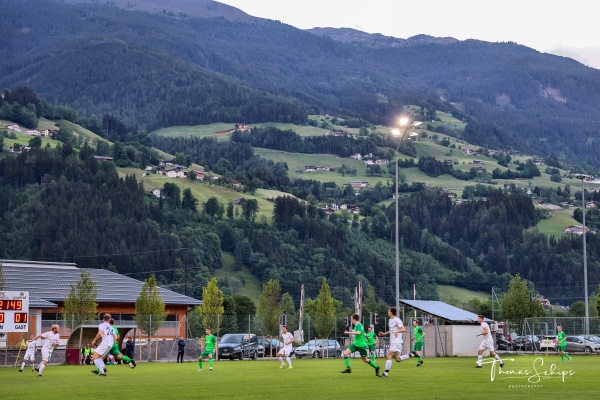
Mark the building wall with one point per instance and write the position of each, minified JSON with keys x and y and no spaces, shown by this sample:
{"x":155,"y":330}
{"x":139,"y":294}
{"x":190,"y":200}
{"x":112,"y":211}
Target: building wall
{"x":169,"y":329}
{"x":465,"y":341}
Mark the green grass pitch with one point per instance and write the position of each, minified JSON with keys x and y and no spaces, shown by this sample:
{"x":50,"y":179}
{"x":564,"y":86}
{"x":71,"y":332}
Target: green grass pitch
{"x":439,"y":378}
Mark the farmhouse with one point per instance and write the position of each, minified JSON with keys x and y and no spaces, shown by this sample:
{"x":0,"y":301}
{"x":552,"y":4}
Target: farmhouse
{"x":359,"y":184}
{"x":578,"y":230}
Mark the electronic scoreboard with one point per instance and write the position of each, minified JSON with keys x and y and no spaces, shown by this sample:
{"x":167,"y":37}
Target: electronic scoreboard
{"x":14,"y":311}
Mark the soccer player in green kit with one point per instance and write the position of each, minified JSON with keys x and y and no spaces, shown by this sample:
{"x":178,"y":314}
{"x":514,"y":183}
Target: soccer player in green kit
{"x":562,"y":344}
{"x":114,"y":350}
{"x":359,"y":344}
{"x":371,"y":340}
{"x":209,"y":348}
{"x":419,"y":338}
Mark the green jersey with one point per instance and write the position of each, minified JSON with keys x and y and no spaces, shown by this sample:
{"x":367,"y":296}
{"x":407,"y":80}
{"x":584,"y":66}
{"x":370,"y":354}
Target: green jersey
{"x":116,"y":331}
{"x":371,"y":338}
{"x":359,"y":340}
{"x":210,"y":340}
{"x":418,"y":332}
{"x":561,"y":338}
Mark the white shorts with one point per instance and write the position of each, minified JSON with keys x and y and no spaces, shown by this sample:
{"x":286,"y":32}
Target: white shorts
{"x":396,"y":347}
{"x":29,"y":356}
{"x":46,"y":354}
{"x":486,"y":345}
{"x":285,"y":351}
{"x":103,"y":349}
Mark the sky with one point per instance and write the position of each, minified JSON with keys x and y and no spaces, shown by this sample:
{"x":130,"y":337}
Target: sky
{"x":570,"y":28}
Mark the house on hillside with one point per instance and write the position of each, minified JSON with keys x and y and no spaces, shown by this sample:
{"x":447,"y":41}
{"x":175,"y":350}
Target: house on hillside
{"x":578,"y":230}
{"x":359,"y":184}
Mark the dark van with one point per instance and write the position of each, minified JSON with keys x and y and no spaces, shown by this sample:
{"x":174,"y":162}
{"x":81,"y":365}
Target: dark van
{"x":238,"y":346}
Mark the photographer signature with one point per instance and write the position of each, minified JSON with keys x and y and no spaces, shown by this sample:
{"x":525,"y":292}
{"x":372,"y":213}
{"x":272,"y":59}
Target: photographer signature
{"x":535,"y":374}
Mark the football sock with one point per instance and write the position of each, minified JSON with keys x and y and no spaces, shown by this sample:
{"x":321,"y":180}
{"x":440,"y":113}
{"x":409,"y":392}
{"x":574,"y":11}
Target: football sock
{"x":562,"y":358}
{"x":419,"y":358}
{"x":289,"y":361}
{"x":126,"y":359}
{"x":479,"y":359}
{"x":388,"y":366}
{"x":372,"y":364}
{"x":347,"y":362}
{"x":210,"y":362}
{"x":99,"y":365}
{"x":568,"y":356}
{"x":23,"y":365}
{"x":200,"y":363}
{"x":280,"y":360}
{"x":404,"y":357}
{"x":498,"y":358}
{"x":41,"y":368}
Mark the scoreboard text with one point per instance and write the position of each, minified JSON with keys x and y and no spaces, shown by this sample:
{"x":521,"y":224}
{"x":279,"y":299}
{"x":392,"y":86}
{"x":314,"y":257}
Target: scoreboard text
{"x":14,"y":311}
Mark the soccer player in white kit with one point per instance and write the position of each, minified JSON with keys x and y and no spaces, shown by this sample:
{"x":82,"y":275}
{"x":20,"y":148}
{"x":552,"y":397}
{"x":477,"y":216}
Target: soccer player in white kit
{"x":395,"y":351}
{"x":29,"y":354}
{"x":51,"y":340}
{"x":487,"y":343}
{"x":107,"y":333}
{"x":286,"y":350}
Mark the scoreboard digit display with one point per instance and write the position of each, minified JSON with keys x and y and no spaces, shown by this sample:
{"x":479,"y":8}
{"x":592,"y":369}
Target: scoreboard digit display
{"x":14,"y":311}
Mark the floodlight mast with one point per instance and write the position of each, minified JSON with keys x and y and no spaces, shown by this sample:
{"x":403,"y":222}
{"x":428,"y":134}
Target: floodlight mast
{"x":586,"y":325}
{"x":405,"y":124}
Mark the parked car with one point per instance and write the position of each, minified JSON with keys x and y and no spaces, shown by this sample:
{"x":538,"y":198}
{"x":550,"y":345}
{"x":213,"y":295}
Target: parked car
{"x":581,"y":344}
{"x":319,"y":349}
{"x":526,"y":343}
{"x":548,"y":343}
{"x":260,"y":350}
{"x":238,"y":346}
{"x":502,"y":343}
{"x":271,"y":346}
{"x":593,"y":338}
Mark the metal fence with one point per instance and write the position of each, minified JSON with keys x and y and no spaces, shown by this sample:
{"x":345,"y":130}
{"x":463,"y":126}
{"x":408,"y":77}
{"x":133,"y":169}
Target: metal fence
{"x":546,"y":326}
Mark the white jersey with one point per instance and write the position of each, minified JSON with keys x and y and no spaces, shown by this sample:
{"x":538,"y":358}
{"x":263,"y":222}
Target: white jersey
{"x":108,"y":332}
{"x":395,"y":325}
{"x":288,"y":339}
{"x":31,"y":345}
{"x":488,"y":336}
{"x":50,"y":339}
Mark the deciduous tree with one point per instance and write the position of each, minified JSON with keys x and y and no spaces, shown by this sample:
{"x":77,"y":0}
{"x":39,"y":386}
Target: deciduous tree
{"x":212,"y":305}
{"x":325,"y":311}
{"x":269,"y":307}
{"x":149,"y":309}
{"x":80,"y":305}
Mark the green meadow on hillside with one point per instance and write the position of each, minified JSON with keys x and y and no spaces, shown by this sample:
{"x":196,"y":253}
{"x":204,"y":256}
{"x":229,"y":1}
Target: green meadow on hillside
{"x":555,"y":225}
{"x":202,"y":190}
{"x":210,"y":130}
{"x":240,"y":282}
{"x":445,"y":292}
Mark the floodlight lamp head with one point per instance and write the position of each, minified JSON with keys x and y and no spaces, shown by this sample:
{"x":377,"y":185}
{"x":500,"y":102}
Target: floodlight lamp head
{"x":396,"y":132}
{"x":403,"y":121}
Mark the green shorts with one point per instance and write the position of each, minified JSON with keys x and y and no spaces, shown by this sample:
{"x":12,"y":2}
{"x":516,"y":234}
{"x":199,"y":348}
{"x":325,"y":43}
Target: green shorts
{"x":562,"y":347}
{"x":371,"y":347}
{"x":114,"y":350}
{"x":206,"y":353}
{"x":418,"y":345}
{"x":361,"y":350}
